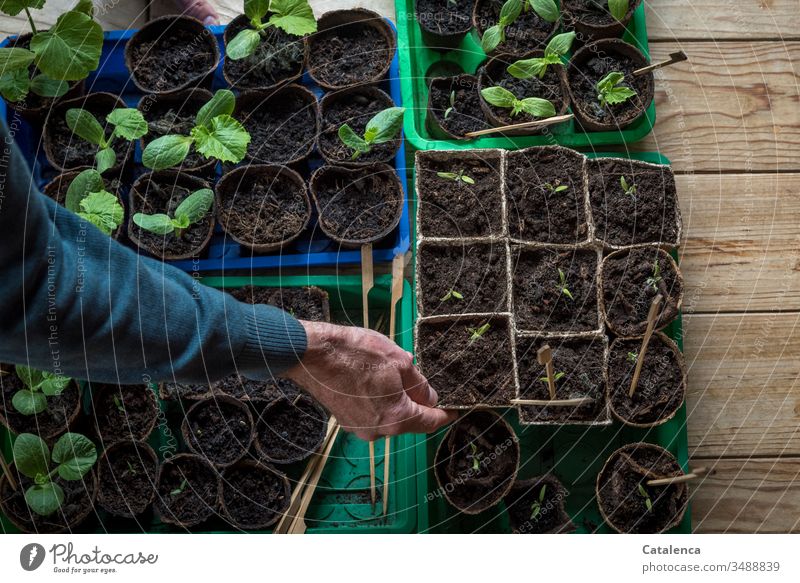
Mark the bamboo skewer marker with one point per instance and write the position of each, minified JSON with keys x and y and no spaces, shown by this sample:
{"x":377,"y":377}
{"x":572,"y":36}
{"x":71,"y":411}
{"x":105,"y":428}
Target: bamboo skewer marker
{"x":652,"y":316}
{"x":7,"y":471}
{"x":367,"y":281}
{"x":676,"y":57}
{"x":554,"y":402}
{"x":678,"y":479}
{"x":539,"y":123}
{"x":398,"y":264}
{"x":545,"y":357}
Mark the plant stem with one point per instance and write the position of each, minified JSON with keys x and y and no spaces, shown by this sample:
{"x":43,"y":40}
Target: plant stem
{"x":30,"y":20}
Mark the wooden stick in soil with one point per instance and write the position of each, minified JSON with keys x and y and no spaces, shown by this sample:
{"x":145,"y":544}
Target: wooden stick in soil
{"x":554,"y":402}
{"x":7,"y":471}
{"x":367,"y":281}
{"x":652,"y":316}
{"x":678,"y":479}
{"x":545,"y":357}
{"x":677,"y":57}
{"x":539,"y":123}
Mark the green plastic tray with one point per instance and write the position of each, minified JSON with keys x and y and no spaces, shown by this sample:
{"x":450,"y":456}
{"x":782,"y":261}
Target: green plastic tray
{"x":418,"y":63}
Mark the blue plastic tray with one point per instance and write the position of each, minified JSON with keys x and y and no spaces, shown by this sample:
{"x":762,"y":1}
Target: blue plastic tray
{"x":312,"y":248}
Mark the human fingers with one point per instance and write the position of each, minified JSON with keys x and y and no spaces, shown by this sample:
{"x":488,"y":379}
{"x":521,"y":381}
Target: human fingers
{"x":420,"y":419}
{"x":201,"y":10}
{"x":416,"y":385}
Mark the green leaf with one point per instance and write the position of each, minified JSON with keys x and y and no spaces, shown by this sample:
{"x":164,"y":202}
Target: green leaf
{"x":14,"y":7}
{"x":618,"y":8}
{"x":527,"y":68}
{"x":491,"y":38}
{"x":352,"y":140}
{"x":15,"y":58}
{"x":243,"y":44}
{"x":223,"y":103}
{"x":14,"y":85}
{"x":46,"y":87}
{"x":105,"y":158}
{"x":537,"y":107}
{"x":166,"y":151}
{"x":499,"y":97}
{"x":194,"y":207}
{"x":225,"y":139}
{"x":53,"y":385}
{"x":384,"y":126}
{"x":546,"y":9}
{"x":29,"y":402}
{"x":457,"y":295}
{"x":159,"y":224}
{"x":31,"y":455}
{"x":75,"y":455}
{"x":86,"y":126}
{"x":70,"y":50}
{"x":256,"y":9}
{"x":560,"y":44}
{"x":129,"y":123}
{"x":103,"y":210}
{"x":618,"y":95}
{"x":85,"y":6}
{"x":30,"y":377}
{"x":293,"y":16}
{"x":609,"y":81}
{"x":81,"y":186}
{"x":510,"y":12}
{"x":44,"y":499}
{"x":542,"y":493}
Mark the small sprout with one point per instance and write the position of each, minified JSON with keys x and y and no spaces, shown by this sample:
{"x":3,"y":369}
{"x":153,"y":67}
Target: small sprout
{"x":450,"y":109}
{"x":632,"y":357}
{"x":131,"y":470}
{"x":477,"y":333}
{"x":193,"y":208}
{"x":618,"y":9}
{"x":496,"y":34}
{"x":180,"y":489}
{"x":536,"y":507}
{"x":457,"y":177}
{"x":653,"y":280}
{"x":562,"y":284}
{"x":504,"y":99}
{"x":292,"y":16}
{"x":39,"y":387}
{"x":647,"y":501}
{"x":556,"y":377}
{"x":629,"y":189}
{"x":383,"y":127}
{"x":452,"y":294}
{"x":128,"y":123}
{"x":558,"y":47}
{"x":118,"y":404}
{"x":554,"y":189}
{"x":476,"y":457}
{"x":610,"y":92}
{"x":291,"y":312}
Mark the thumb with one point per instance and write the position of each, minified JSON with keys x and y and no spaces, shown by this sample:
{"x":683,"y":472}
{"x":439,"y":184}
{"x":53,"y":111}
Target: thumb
{"x":422,"y":419}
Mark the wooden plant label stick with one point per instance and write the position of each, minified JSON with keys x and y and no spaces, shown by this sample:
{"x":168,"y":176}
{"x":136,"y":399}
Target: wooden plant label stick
{"x":678,"y":479}
{"x":7,"y":471}
{"x":298,"y":523}
{"x":372,"y":492}
{"x":652,"y":316}
{"x":539,"y":123}
{"x":387,"y":451}
{"x":673,"y":58}
{"x":545,"y":357}
{"x":554,"y":402}
{"x":398,"y":264}
{"x":367,"y":280}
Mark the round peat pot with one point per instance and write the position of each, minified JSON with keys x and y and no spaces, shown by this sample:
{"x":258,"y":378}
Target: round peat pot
{"x":527,"y":33}
{"x":174,"y":113}
{"x":553,"y":87}
{"x":220,"y":429}
{"x":279,"y":58}
{"x":188,"y":490}
{"x":65,"y":150}
{"x":127,"y":476}
{"x":629,"y":281}
{"x":354,"y":106}
{"x":592,"y":21}
{"x":78,"y":504}
{"x":357,"y":205}
{"x":170,"y":53}
{"x":622,"y":491}
{"x":454,"y":107}
{"x":350,"y":47}
{"x":254,"y":495}
{"x":290,"y":431}
{"x":162,"y":192}
{"x":123,"y":412}
{"x":536,"y":506}
{"x":282,"y":124}
{"x":591,"y":64}
{"x":263,"y":207}
{"x":661,"y":389}
{"x":444,"y":24}
{"x":57,"y":190}
{"x":477,"y":461}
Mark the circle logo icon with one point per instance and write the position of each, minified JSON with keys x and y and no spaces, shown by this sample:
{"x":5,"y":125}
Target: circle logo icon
{"x":31,"y":556}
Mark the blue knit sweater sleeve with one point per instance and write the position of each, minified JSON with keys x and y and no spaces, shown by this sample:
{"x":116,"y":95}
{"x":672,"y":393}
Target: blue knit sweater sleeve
{"x":75,"y":302}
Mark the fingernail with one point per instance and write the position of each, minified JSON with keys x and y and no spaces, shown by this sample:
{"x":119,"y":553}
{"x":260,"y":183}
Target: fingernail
{"x":211,"y":21}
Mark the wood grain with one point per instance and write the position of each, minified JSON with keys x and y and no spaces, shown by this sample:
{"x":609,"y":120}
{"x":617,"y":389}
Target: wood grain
{"x":111,"y":14}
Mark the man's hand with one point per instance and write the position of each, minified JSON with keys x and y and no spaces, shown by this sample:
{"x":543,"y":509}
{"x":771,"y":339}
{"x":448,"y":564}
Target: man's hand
{"x":202,"y":10}
{"x":367,"y":382}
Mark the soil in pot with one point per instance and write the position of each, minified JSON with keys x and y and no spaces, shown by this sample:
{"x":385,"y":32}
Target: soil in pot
{"x":582,"y":362}
{"x":254,"y":496}
{"x":451,"y":207}
{"x":454,"y":107}
{"x":52,"y":422}
{"x":528,"y":32}
{"x":646,"y":213}
{"x":477,"y":461}
{"x":188,"y":490}
{"x":127,"y":477}
{"x":219,"y":428}
{"x":235,"y":385}
{"x":592,"y":18}
{"x":290,"y":431}
{"x":555,"y":290}
{"x":621,"y":501}
{"x":661,"y":389}
{"x":462,"y":278}
{"x":124,"y":412}
{"x":304,"y":303}
{"x":630,"y":280}
{"x":57,"y":188}
{"x":444,"y":24}
{"x":536,"y":506}
{"x":540,"y":209}
{"x":464,"y":370}
{"x":278,"y":58}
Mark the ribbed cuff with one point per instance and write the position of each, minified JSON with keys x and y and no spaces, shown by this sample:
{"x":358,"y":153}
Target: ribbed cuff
{"x":275,"y":342}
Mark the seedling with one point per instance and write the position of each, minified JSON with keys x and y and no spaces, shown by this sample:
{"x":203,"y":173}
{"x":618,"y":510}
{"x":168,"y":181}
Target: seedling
{"x":629,"y":189}
{"x":554,"y":189}
{"x":450,"y":109}
{"x":131,"y":470}
{"x":72,"y":457}
{"x":457,"y":177}
{"x":292,"y":16}
{"x":179,"y":490}
{"x":557,"y":48}
{"x":610,"y":92}
{"x":476,"y":457}
{"x":88,"y":198}
{"x":618,"y":9}
{"x":644,"y":494}
{"x":477,"y":333}
{"x":193,"y":208}
{"x":128,"y":123}
{"x":215,"y":135}
{"x":632,"y":357}
{"x":562,"y":285}
{"x":556,"y":377}
{"x":383,"y":127}
{"x":118,"y":404}
{"x":39,"y":387}
{"x":653,"y":280}
{"x":494,"y":35}
{"x":536,"y":507}
{"x":452,"y":294}
{"x":68,"y":51}
{"x":503,"y":98}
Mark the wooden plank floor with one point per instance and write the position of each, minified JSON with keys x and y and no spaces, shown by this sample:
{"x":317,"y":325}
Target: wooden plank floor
{"x":730,"y":122}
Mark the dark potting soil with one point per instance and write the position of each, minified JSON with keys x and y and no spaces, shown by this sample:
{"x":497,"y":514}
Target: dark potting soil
{"x":466,"y":114}
{"x":545,"y":493}
{"x":582,"y":360}
{"x":173,"y":59}
{"x":445,"y":18}
{"x":477,"y":272}
{"x":254,"y":496}
{"x":166,"y":119}
{"x":583,"y":85}
{"x":549,"y":88}
{"x":289,"y":432}
{"x":50,"y":422}
{"x":649,"y":215}
{"x":282,"y":129}
{"x":219,"y":431}
{"x":127,"y":480}
{"x":304,"y":303}
{"x":236,"y":386}
{"x":660,"y":390}
{"x":156,"y":197}
{"x":187,"y":490}
{"x":354,"y":109}
{"x":592,"y":12}
{"x":619,"y":493}
{"x":124,"y":411}
{"x":541,"y":301}
{"x":454,"y":208}
{"x":348,"y":55}
{"x":467,"y":372}
{"x":278,"y":57}
{"x":629,"y":285}
{"x":72,"y":151}
{"x":537,"y":213}
{"x":527,"y":33}
{"x":359,"y":206}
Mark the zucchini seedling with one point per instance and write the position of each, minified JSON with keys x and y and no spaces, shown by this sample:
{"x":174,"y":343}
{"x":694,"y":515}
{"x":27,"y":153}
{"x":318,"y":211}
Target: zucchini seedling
{"x":452,"y":294}
{"x":632,"y":357}
{"x":383,"y":127}
{"x":629,"y":189}
{"x":72,"y":458}
{"x":610,"y":92}
{"x":547,"y":10}
{"x":128,"y":124}
{"x":88,"y":198}
{"x":191,"y":210}
{"x":653,"y":280}
{"x":555,"y":189}
{"x":504,"y":99}
{"x":180,"y":489}
{"x":536,"y":507}
{"x":452,"y":107}
{"x":556,"y":377}
{"x":618,"y":9}
{"x":476,"y":456}
{"x":456,"y":176}
{"x":558,"y":47}
{"x":477,"y":333}
{"x":648,"y":502}
{"x":292,"y":16}
{"x":39,"y":387}
{"x":562,"y":285}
